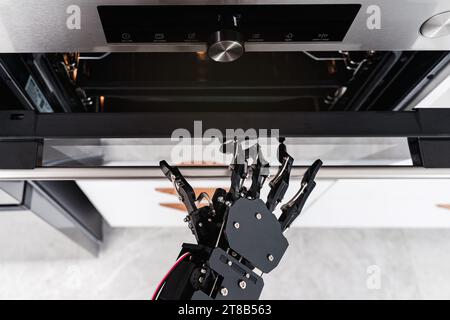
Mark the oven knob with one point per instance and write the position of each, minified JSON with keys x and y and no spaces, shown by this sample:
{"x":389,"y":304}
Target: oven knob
{"x":226,"y":46}
{"x":437,"y":26}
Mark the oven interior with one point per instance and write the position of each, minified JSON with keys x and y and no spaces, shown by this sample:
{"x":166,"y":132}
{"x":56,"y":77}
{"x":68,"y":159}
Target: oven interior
{"x":192,"y":82}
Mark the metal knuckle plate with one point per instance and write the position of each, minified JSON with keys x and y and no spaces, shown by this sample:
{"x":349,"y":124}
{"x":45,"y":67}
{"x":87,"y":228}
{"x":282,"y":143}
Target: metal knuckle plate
{"x":260,"y":241}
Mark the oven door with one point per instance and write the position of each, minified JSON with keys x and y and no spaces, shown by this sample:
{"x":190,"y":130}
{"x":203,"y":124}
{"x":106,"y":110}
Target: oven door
{"x":352,"y":108}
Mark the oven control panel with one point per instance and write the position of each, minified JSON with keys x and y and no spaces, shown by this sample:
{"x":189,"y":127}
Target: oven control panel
{"x":253,"y":23}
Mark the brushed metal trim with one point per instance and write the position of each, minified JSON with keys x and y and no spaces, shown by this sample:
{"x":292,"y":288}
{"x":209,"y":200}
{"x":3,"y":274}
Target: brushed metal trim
{"x":40,"y":26}
{"x":146,"y":173}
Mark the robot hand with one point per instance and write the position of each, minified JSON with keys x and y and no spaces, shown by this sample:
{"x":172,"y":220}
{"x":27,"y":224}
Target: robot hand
{"x":238,"y":236}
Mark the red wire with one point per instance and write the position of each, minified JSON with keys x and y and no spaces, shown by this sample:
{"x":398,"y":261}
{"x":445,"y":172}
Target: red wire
{"x":158,"y":288}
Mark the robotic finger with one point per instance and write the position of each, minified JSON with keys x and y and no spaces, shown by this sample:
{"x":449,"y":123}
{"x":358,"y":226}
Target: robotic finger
{"x":183,"y":188}
{"x":292,"y":209}
{"x":239,"y":172}
{"x":280,"y":183}
{"x":260,"y":172}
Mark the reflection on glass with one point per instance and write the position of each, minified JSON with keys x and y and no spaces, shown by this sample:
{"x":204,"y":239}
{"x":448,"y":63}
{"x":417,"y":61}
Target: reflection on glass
{"x":198,"y":152}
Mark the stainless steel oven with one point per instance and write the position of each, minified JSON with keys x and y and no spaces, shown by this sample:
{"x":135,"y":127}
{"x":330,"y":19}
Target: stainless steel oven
{"x":189,"y":26}
{"x":98,"y":89}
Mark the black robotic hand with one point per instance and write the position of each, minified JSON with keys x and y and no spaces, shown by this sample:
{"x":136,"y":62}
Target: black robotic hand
{"x":238,"y":236}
